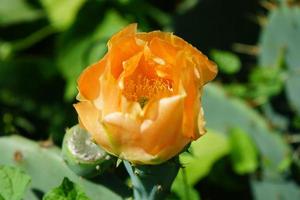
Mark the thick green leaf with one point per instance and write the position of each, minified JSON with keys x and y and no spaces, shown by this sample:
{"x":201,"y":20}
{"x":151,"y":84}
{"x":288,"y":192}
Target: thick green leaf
{"x":13,"y":183}
{"x":16,"y":11}
{"x":62,"y":13}
{"x":223,"y":113}
{"x":243,"y":152}
{"x":66,"y":191}
{"x":227,"y":62}
{"x":281,"y":36}
{"x":46,"y":167}
{"x":275,"y":190}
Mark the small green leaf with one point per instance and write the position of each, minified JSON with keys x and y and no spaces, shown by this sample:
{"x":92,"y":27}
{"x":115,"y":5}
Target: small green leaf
{"x":266,"y":82}
{"x":66,"y":191}
{"x":186,"y":5}
{"x":243,"y":152}
{"x":236,"y":89}
{"x":13,"y":183}
{"x":62,"y":13}
{"x":16,"y":11}
{"x":227,"y":62}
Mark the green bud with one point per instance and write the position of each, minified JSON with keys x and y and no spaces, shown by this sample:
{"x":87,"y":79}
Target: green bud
{"x":82,"y":155}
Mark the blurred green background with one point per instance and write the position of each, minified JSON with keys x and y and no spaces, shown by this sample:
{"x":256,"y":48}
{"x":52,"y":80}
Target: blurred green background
{"x":251,"y":150}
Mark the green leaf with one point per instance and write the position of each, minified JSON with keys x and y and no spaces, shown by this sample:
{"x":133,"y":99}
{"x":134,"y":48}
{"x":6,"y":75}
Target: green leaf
{"x":197,"y":164}
{"x":243,"y":152}
{"x":66,"y":191}
{"x":204,"y":153}
{"x":16,"y":11}
{"x":281,"y":36}
{"x":47,"y":168}
{"x":223,"y":113}
{"x":182,"y":189}
{"x":13,"y":183}
{"x":62,"y":13}
{"x":265,"y":82}
{"x":236,"y":89}
{"x":227,"y":62}
{"x":275,"y":190}
{"x":185,"y":5}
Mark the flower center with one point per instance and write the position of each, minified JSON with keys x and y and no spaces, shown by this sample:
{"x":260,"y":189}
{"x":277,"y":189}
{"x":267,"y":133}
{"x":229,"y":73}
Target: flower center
{"x":142,"y":88}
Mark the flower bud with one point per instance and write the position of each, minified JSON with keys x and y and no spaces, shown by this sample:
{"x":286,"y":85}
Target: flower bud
{"x":82,"y":155}
{"x":141,"y":101}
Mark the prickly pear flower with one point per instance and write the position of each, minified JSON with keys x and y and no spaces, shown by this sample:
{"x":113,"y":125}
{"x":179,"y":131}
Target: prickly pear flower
{"x":141,"y":101}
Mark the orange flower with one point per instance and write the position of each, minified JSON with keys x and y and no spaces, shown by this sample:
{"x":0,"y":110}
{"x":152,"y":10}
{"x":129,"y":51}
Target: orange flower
{"x":141,"y":101}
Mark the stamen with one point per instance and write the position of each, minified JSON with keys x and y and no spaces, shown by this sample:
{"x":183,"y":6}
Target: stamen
{"x":142,"y":88}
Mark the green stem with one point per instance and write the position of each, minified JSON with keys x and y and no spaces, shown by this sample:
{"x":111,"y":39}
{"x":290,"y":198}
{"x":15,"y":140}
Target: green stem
{"x":185,"y":184}
{"x":33,"y":38}
{"x":152,"y":182}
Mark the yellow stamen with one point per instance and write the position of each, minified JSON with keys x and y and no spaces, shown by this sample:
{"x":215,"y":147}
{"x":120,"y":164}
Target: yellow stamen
{"x":141,"y":87}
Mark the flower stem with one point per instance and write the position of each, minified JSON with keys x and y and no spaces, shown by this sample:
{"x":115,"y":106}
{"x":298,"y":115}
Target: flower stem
{"x":152,"y":182}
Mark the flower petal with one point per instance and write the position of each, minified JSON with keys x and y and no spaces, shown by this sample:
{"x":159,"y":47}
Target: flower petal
{"x":122,"y":46}
{"x":128,"y":31}
{"x":124,"y":130}
{"x":110,"y":95}
{"x":88,"y":82}
{"x":88,"y":116}
{"x":163,"y":49}
{"x":163,"y":131}
{"x":129,"y":67}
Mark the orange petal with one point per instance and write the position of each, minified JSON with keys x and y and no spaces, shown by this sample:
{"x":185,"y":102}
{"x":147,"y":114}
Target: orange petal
{"x":122,"y":46}
{"x":123,"y":130}
{"x":129,"y":67}
{"x":154,"y":34}
{"x":88,"y":82}
{"x":172,"y":150}
{"x":190,"y":85}
{"x":161,"y":132}
{"x":163,"y":49}
{"x":88,"y":116}
{"x":129,"y":30}
{"x":110,"y":95}
{"x":207,"y":68}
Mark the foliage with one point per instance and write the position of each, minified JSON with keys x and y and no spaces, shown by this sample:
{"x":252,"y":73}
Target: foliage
{"x":226,"y":61}
{"x":251,"y":149}
{"x":66,"y":191}
{"x":13,"y":183}
{"x":45,"y":166}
